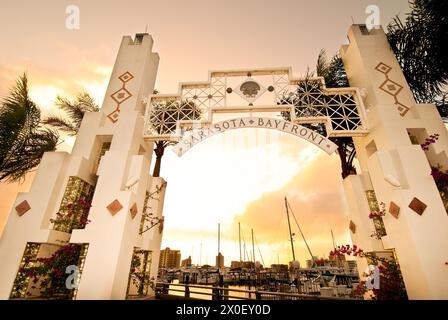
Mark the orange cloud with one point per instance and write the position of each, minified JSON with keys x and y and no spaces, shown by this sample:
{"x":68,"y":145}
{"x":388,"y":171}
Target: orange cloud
{"x":317,"y":199}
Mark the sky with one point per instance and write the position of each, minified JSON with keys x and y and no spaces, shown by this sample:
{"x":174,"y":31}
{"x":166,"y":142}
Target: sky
{"x":240,"y":176}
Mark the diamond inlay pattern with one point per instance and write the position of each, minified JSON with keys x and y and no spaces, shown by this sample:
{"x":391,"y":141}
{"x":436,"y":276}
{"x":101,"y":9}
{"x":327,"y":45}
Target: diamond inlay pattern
{"x":352,"y":226}
{"x":133,"y":210}
{"x":120,"y":96}
{"x":394,"y":209}
{"x":114,"y":207}
{"x":418,"y":206}
{"x":391,"y":87}
{"x":22,"y":208}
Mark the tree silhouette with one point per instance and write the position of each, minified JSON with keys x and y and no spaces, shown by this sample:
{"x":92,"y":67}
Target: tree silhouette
{"x":23,"y":140}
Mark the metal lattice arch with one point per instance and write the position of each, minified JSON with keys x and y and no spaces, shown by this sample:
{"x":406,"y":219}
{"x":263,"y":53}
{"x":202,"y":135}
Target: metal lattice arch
{"x":307,"y":101}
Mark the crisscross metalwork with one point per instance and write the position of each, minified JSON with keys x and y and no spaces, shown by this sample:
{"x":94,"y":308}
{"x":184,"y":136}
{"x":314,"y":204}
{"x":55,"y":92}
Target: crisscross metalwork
{"x":306,"y":100}
{"x":311,"y":100}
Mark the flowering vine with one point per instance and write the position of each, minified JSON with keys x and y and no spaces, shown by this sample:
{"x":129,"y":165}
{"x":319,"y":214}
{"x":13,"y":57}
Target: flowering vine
{"x":140,"y":271}
{"x":441,"y":180}
{"x":46,"y":277}
{"x":391,"y":285}
{"x":149,"y":220}
{"x":380,"y":213}
{"x":430,"y":140}
{"x":73,"y":215}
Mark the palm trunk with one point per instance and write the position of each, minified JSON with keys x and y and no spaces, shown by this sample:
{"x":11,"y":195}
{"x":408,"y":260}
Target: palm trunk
{"x":159,"y":150}
{"x":347,"y":168}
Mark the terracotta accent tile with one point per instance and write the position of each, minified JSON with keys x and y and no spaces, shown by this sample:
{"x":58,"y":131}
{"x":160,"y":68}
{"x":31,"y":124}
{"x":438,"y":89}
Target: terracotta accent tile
{"x":114,"y":207}
{"x":134,"y":210}
{"x":162,"y":220}
{"x":418,"y":206}
{"x":22,"y":208}
{"x":394,"y":210}
{"x":352,"y":226}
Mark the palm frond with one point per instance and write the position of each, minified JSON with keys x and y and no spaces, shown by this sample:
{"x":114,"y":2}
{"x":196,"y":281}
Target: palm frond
{"x":76,"y":109}
{"x":419,"y":46}
{"x":61,"y":123}
{"x":22,"y":139}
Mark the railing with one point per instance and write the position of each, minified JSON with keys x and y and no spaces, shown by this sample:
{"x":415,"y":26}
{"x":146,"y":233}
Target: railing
{"x":223,"y":293}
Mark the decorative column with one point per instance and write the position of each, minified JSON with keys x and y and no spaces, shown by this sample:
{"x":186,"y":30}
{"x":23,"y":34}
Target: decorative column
{"x":396,"y":168}
{"x":110,"y":157}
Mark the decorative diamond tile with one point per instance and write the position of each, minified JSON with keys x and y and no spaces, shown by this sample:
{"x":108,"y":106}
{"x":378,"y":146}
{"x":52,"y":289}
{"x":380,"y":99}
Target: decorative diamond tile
{"x":133,"y":210}
{"x":114,"y":207}
{"x":382,"y":67}
{"x":121,"y":95}
{"x":394,"y":209}
{"x":113,"y":116}
{"x":402,"y":108}
{"x":391,"y":87}
{"x":352,"y":226}
{"x":125,"y":77}
{"x":22,"y":208}
{"x":418,"y":206}
{"x":162,"y":220}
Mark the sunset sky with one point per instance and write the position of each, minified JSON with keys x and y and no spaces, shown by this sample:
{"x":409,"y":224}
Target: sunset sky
{"x":240,"y":176}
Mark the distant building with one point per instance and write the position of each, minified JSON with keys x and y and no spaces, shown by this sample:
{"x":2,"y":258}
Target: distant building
{"x":186,"y":262}
{"x":279,"y":267}
{"x":169,"y":258}
{"x":247,"y":265}
{"x":337,"y":260}
{"x":294,"y":265}
{"x":236,"y":264}
{"x":219,"y":260}
{"x":350,"y":266}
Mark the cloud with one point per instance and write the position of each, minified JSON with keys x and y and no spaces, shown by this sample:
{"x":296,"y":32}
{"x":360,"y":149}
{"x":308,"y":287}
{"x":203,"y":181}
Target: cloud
{"x":317,"y":200}
{"x":47,"y":82}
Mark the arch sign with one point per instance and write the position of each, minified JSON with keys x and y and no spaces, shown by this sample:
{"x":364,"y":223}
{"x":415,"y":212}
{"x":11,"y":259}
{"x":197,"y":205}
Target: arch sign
{"x":191,"y":138}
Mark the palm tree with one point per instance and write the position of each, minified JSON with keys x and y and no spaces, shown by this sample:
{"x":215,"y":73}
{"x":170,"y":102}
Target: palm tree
{"x":419,"y":45}
{"x":334,"y":75}
{"x":74,"y":113}
{"x":165,"y":117}
{"x":23,"y":140}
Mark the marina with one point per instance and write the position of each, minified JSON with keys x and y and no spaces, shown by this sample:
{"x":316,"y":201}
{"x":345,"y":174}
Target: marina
{"x":246,"y":279}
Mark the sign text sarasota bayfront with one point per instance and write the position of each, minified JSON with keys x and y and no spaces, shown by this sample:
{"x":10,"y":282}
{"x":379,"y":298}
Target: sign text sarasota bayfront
{"x":190,"y":138}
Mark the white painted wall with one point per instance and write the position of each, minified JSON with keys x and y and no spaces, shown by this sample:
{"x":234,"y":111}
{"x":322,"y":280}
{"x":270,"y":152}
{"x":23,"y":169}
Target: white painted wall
{"x":420,"y":242}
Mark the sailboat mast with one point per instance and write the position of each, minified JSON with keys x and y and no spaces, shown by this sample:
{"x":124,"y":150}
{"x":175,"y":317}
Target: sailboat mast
{"x":259,"y":251}
{"x":290,"y":233}
{"x":253,"y":247}
{"x":332,"y":237}
{"x":219,"y":244}
{"x":239,"y":238}
{"x":300,"y":229}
